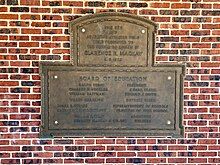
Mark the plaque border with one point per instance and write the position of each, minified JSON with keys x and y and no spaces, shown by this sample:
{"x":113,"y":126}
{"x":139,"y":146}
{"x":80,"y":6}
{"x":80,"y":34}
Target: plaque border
{"x":46,"y":67}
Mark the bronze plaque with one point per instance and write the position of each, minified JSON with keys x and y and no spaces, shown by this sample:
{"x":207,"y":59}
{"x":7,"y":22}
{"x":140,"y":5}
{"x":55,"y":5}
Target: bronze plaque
{"x":112,"y":86}
{"x":111,"y":40}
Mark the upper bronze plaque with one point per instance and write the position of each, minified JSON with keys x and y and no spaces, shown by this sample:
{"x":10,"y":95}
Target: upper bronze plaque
{"x":112,"y":86}
{"x":111,"y":39}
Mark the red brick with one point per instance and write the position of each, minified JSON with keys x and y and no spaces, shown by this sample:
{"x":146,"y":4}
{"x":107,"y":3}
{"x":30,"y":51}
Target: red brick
{"x":4,"y":142}
{"x":180,"y":5}
{"x":94,"y":160}
{"x":73,"y":3}
{"x":95,"y":148}
{"x":105,"y":141}
{"x":20,"y":63}
{"x":197,"y":160}
{"x":29,"y":44}
{"x":86,"y":141}
{"x":9,"y":16}
{"x":116,"y":148}
{"x":146,"y":154}
{"x":60,"y":38}
{"x":21,"y":142}
{"x":156,"y":160}
{"x":43,"y":154}
{"x":30,"y":3}
{"x":115,"y":160}
{"x":177,"y":160}
{"x":9,"y":83}
{"x":126,"y":154}
{"x":3,"y":9}
{"x":9,"y":148}
{"x":190,"y":26}
{"x":159,"y":5}
{"x":106,"y":154}
{"x":39,"y":51}
{"x":31,"y":31}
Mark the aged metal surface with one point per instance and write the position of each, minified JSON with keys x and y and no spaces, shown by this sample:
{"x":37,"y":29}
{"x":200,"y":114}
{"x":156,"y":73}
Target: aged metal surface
{"x":112,"y":86}
{"x":111,"y":40}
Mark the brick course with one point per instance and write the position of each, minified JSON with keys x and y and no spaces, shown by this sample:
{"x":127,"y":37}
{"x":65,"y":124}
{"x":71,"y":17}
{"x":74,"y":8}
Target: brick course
{"x":35,"y":30}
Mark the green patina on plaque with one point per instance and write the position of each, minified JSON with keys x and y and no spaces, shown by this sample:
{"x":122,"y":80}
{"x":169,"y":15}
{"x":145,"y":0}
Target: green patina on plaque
{"x":112,"y":87}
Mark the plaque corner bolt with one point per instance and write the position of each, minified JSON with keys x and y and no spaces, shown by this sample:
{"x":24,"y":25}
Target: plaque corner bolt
{"x":83,"y":30}
{"x":143,"y":31}
{"x":168,"y":122}
{"x":169,"y":77}
{"x":56,"y":122}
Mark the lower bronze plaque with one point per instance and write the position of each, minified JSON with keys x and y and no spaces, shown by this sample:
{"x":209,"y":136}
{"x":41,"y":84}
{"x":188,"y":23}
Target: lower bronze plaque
{"x":102,"y":102}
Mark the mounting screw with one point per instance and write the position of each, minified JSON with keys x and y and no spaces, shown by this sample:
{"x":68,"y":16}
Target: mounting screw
{"x":56,"y":122}
{"x":83,"y":30}
{"x":168,"y":122}
{"x":169,"y":77}
{"x":55,"y":77}
{"x":143,"y":31}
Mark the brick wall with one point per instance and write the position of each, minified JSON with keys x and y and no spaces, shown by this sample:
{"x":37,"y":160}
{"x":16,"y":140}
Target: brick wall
{"x":36,"y":30}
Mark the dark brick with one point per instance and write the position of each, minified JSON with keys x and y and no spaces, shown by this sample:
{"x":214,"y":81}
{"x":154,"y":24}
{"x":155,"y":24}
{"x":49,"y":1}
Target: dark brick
{"x":201,"y":19}
{"x":49,"y":161}
{"x":32,"y":161}
{"x":55,"y":3}
{"x":50,"y":57}
{"x":27,"y":83}
{"x":215,"y":77}
{"x":63,"y":154}
{"x":169,"y":12}
{"x":19,"y":129}
{"x":63,"y":141}
{"x":31,"y":148}
{"x":167,"y":154}
{"x":131,"y":141}
{"x":168,"y":52}
{"x":182,"y":19}
{"x":74,"y":148}
{"x":96,"y":4}
{"x":66,"y":45}
{"x":191,"y":103}
{"x":35,"y":129}
{"x":189,"y":12}
{"x":8,"y":70}
{"x":138,"y":5}
{"x":169,"y":39}
{"x":19,"y":9}
{"x":135,"y":160}
{"x":10,"y":123}
{"x":160,"y":45}
{"x":22,"y":155}
{"x":12,"y":2}
{"x":211,"y":12}
{"x":29,"y":110}
{"x":199,"y":84}
{"x":180,"y":45}
{"x":195,"y":135}
{"x":193,"y":51}
{"x":20,"y":90}
{"x":28,"y":57}
{"x":200,"y":33}
{"x":85,"y":154}
{"x":27,"y":70}
{"x":163,"y":32}
{"x":2,"y":2}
